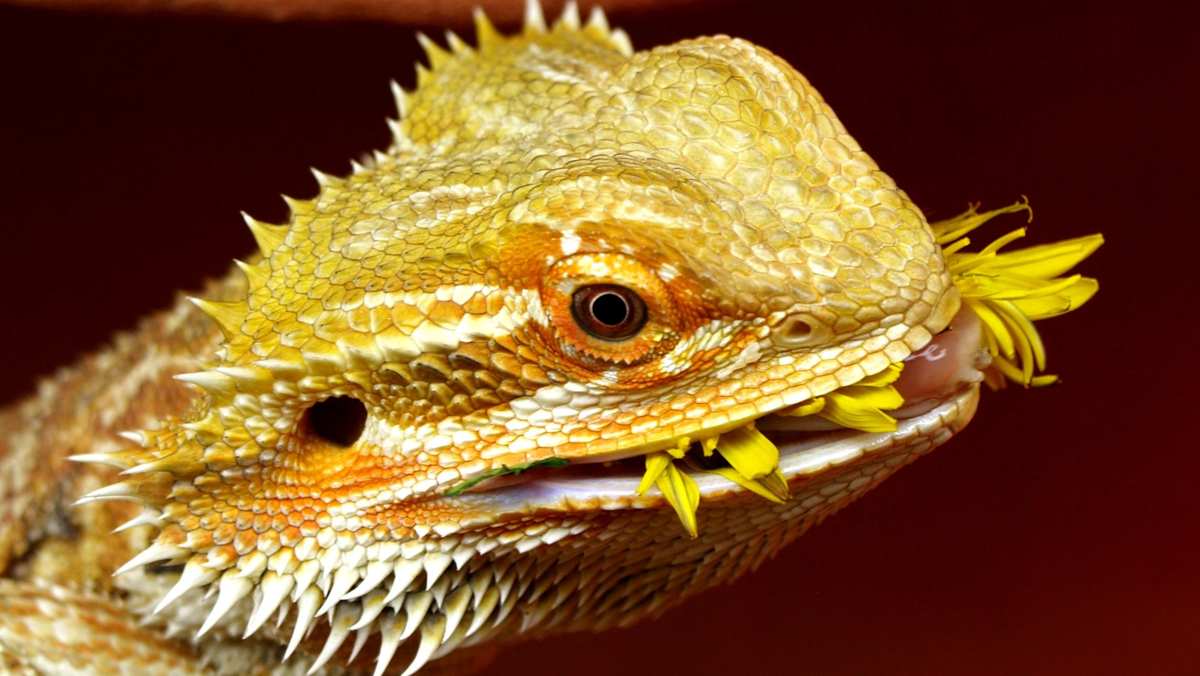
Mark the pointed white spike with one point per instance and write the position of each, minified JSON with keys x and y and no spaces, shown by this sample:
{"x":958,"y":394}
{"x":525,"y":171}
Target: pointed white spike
{"x":110,"y":459}
{"x":343,"y":580}
{"x":282,"y":614}
{"x":395,"y":128}
{"x":389,"y":640}
{"x":232,"y":588}
{"x":535,"y":21}
{"x":304,"y":575}
{"x":147,"y":517}
{"x":268,"y":236}
{"x":401,"y":97}
{"x":160,"y":465}
{"x":506,"y":584}
{"x":372,"y":605}
{"x":506,"y":607}
{"x":339,"y":627}
{"x":456,"y":606}
{"x":415,"y":607}
{"x":376,"y":572}
{"x":122,"y":490}
{"x":440,"y":589}
{"x":570,"y":15}
{"x":462,"y":554}
{"x":152,"y":554}
{"x":621,"y":39}
{"x":456,"y":43}
{"x":209,"y":381}
{"x":195,"y":574}
{"x":481,"y":582}
{"x":490,"y":599}
{"x":597,"y":19}
{"x":322,"y":178}
{"x":404,"y":573}
{"x":436,"y":563}
{"x":275,"y":588}
{"x":360,"y":640}
{"x":135,"y":436}
{"x":433,"y":629}
{"x":306,"y":610}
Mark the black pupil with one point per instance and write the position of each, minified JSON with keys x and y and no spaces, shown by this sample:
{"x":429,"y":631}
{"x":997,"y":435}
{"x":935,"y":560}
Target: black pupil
{"x":610,"y":309}
{"x":338,"y":420}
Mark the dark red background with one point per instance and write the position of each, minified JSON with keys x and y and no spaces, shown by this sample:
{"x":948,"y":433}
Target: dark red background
{"x":1058,"y":535}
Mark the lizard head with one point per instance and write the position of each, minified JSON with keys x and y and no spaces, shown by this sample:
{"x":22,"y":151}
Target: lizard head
{"x":487,"y":371}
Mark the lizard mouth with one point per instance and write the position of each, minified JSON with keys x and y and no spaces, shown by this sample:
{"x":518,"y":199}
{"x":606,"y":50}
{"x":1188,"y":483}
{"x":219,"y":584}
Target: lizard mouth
{"x":939,"y":385}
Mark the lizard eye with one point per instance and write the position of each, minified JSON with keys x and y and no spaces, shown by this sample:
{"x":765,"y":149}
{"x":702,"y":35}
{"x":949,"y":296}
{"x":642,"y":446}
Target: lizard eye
{"x":608,"y":311}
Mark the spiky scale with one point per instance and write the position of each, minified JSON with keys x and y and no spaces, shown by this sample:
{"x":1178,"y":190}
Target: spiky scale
{"x":436,"y":55}
{"x":343,"y":580}
{"x":535,"y":20}
{"x":484,"y":610}
{"x":275,"y":589}
{"x":403,"y":575}
{"x":435,"y":564}
{"x":415,"y":607}
{"x":111,"y":459}
{"x":231,"y":589}
{"x":339,"y":628}
{"x":456,"y":607}
{"x":229,"y":315}
{"x":122,"y":490}
{"x":194,"y":575}
{"x":433,"y":630}
{"x":486,"y":34}
{"x":360,"y":640}
{"x":306,"y":609}
{"x":389,"y":639}
{"x":456,"y":44}
{"x":256,"y":277}
{"x":570,"y":16}
{"x":372,"y":605}
{"x":147,"y":517}
{"x":268,"y":236}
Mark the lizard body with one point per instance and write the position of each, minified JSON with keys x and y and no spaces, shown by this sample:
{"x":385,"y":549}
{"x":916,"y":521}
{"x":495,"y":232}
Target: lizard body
{"x":470,"y":391}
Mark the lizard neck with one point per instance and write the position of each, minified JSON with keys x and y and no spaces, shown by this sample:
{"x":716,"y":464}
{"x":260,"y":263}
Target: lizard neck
{"x":82,"y":409}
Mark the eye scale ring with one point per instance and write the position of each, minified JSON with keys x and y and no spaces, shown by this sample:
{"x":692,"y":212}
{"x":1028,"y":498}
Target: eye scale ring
{"x":608,"y":311}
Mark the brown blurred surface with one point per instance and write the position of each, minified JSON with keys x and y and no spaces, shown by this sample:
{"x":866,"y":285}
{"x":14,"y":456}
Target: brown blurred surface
{"x":1057,"y":535}
{"x":397,"y":11}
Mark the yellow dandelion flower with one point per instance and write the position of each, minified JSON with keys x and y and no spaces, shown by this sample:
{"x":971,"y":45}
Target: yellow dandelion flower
{"x":1009,"y":290}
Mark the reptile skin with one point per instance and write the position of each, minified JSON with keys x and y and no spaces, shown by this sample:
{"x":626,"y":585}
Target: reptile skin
{"x":434,"y":285}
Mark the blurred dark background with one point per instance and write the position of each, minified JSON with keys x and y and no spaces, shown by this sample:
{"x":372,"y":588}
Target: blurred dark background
{"x":1057,"y":535}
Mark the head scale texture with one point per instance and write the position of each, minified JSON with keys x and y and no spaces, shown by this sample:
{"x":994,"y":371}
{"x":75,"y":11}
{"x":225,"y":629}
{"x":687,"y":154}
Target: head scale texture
{"x":776,"y":260}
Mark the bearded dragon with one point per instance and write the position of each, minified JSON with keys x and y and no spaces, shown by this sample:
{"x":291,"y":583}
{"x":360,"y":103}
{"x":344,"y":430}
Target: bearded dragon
{"x":600,"y":330}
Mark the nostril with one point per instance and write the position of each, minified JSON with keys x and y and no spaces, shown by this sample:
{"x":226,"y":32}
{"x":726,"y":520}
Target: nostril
{"x":338,"y":420}
{"x":795,"y":329}
{"x":799,"y":330}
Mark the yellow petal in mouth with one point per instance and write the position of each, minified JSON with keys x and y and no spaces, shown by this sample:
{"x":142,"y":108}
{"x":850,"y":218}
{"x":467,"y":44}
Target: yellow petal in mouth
{"x":773,"y":486}
{"x":1009,"y":290}
{"x":749,"y":451}
{"x":860,"y":406}
{"x":679,"y":489}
